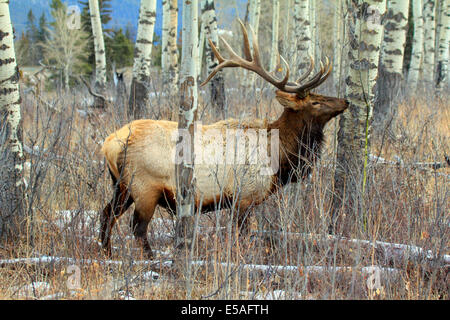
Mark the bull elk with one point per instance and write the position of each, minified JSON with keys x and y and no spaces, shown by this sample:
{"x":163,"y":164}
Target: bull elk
{"x":137,"y":154}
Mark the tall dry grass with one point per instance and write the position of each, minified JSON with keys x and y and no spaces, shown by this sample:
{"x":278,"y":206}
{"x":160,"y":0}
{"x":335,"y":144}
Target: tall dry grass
{"x":68,"y":185}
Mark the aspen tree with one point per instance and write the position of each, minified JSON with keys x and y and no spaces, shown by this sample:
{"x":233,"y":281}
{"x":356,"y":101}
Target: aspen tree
{"x":443,"y":45}
{"x":417,"y":45}
{"x":139,"y":91}
{"x":429,"y":9}
{"x":392,"y":52}
{"x":12,"y":213}
{"x":365,"y":34}
{"x":169,"y":59}
{"x":217,"y":84}
{"x":99,"y":47}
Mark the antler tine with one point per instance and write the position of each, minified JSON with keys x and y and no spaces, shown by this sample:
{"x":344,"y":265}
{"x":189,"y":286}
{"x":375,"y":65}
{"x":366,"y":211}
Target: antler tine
{"x":307,"y":73}
{"x":286,"y":77}
{"x":329,"y":68}
{"x":247,"y":51}
{"x":251,"y":62}
{"x":223,"y":63}
{"x":319,"y":77}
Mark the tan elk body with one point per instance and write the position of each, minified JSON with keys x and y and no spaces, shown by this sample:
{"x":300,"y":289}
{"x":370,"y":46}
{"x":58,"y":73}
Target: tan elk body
{"x":141,"y":155}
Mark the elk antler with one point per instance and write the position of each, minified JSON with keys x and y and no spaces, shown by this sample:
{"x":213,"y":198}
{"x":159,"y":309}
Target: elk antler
{"x":252,"y":62}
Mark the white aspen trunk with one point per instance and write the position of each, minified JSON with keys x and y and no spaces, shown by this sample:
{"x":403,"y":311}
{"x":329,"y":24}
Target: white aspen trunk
{"x":417,"y":45}
{"x":275,"y":24}
{"x":443,"y":47}
{"x":312,"y":21}
{"x":187,"y":114}
{"x":12,"y":214}
{"x":217,"y":84}
{"x":99,"y":46}
{"x":254,"y":14}
{"x":429,"y":41}
{"x":139,"y":91}
{"x":169,"y":59}
{"x":303,"y":35}
{"x":365,"y":40}
{"x":393,"y":47}
{"x":338,"y":45}
{"x":286,"y":27}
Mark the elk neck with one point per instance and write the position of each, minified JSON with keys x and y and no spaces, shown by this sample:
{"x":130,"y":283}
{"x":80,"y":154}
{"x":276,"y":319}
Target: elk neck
{"x":301,"y":138}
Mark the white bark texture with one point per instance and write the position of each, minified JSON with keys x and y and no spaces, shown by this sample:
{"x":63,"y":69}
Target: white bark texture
{"x":216,"y":85}
{"x":254,"y":15}
{"x":415,"y":67}
{"x":189,"y":54}
{"x":287,"y":48}
{"x":139,"y":92}
{"x":312,"y":20}
{"x":392,"y":52}
{"x":365,"y":36}
{"x":169,"y":59}
{"x":99,"y":45}
{"x":302,"y":28}
{"x":429,"y":11}
{"x":187,"y":114}
{"x":395,"y":36}
{"x":338,"y":45}
{"x":11,"y":160}
{"x":443,"y":47}
{"x":275,"y":24}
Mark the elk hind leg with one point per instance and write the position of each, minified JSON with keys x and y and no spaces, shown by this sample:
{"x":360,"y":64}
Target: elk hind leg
{"x":120,"y":202}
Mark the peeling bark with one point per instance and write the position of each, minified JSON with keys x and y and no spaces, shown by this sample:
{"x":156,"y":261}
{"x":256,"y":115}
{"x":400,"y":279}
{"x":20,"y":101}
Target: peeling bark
{"x":139,"y":91}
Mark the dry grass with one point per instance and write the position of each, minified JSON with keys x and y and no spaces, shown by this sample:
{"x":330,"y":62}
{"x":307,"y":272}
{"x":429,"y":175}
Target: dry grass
{"x":403,"y":205}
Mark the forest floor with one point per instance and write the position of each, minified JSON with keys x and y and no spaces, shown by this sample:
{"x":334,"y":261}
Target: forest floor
{"x":400,"y":252}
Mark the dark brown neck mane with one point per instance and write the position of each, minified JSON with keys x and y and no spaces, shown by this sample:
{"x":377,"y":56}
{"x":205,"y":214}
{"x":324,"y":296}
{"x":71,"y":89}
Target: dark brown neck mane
{"x":301,"y":138}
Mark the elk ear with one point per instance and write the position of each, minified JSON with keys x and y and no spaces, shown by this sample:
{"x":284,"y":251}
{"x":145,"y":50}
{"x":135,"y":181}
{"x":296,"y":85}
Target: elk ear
{"x":290,"y":100}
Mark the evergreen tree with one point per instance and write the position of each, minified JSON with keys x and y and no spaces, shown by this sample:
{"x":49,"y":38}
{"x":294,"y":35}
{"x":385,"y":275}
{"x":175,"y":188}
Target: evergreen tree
{"x":23,"y":50}
{"x":121,"y":49}
{"x":31,"y":29}
{"x":41,"y":36}
{"x":29,"y":40}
